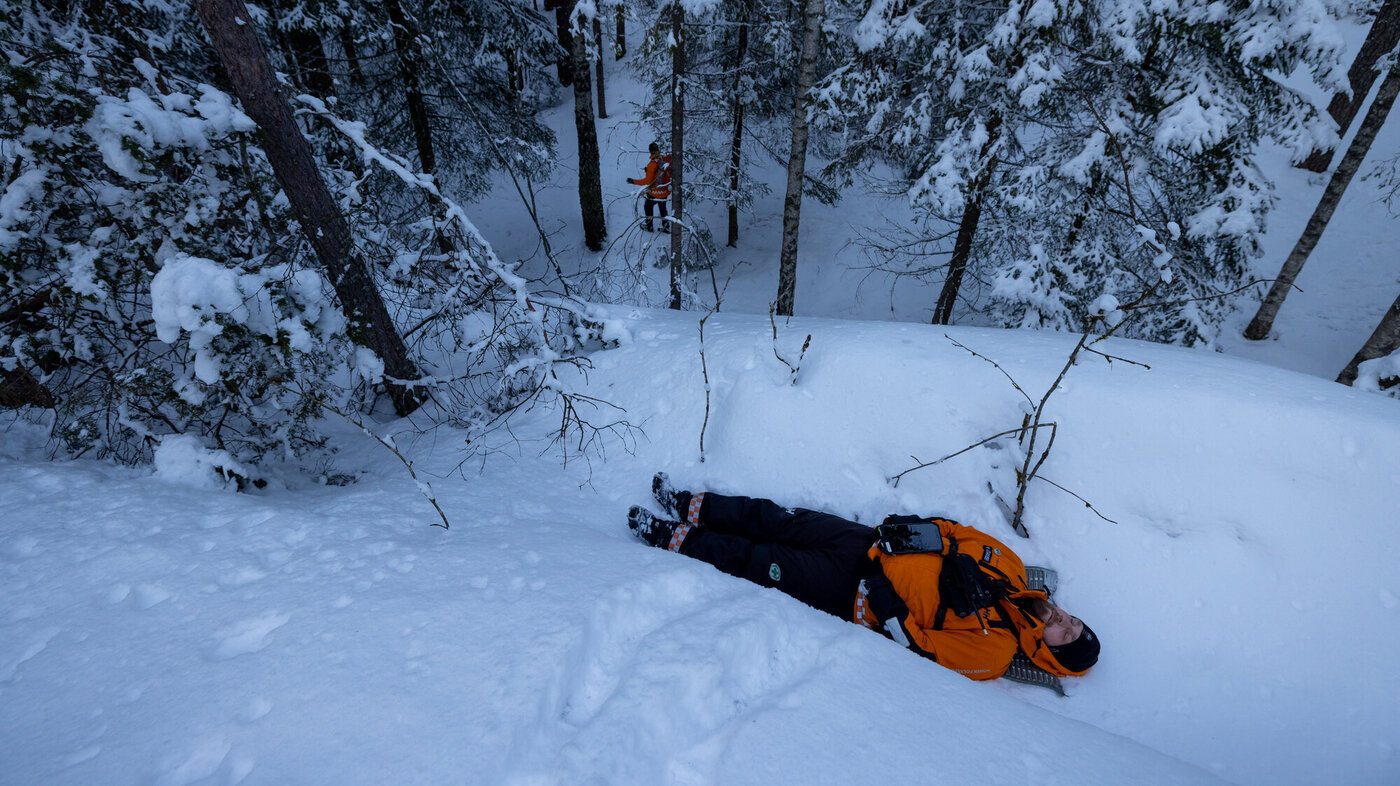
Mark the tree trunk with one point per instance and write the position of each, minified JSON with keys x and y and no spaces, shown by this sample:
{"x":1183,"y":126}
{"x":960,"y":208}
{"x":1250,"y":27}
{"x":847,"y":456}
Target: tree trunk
{"x":405,"y":51}
{"x":620,"y":44}
{"x":562,"y":9}
{"x":1263,"y":320}
{"x":313,"y":70}
{"x":19,"y":388}
{"x":962,"y":251}
{"x":231,"y":30}
{"x":352,"y":56}
{"x":1385,"y":340}
{"x":812,"y":13}
{"x":590,"y":183}
{"x":737,"y":141}
{"x":967,"y":227}
{"x":515,"y":76}
{"x":1384,"y":34}
{"x":410,"y":70}
{"x":677,"y":145}
{"x":598,"y":36}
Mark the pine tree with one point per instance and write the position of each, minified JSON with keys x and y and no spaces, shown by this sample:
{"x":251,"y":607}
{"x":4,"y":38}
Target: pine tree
{"x":738,"y":58}
{"x":590,"y":185}
{"x":1056,"y":135}
{"x":183,"y":300}
{"x":230,"y":27}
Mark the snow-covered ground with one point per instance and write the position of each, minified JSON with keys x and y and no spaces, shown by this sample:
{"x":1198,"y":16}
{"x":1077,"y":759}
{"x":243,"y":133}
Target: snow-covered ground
{"x":157,"y":629}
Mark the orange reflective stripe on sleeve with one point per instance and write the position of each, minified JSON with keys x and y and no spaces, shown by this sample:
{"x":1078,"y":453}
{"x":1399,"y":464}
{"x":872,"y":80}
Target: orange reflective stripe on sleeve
{"x":863,"y":615}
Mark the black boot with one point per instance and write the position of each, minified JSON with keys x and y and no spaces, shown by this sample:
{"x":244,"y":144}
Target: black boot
{"x":649,"y":529}
{"x":675,"y":503}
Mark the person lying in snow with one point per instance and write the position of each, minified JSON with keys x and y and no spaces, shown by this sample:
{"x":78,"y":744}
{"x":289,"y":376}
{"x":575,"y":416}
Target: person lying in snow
{"x":959,"y":599}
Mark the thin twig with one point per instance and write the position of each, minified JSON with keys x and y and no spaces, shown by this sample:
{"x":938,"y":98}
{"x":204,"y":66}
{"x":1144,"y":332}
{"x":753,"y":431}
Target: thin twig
{"x":975,"y":353}
{"x":895,"y":479}
{"x":1111,"y":358}
{"x":1076,"y":496}
{"x":704,"y":369}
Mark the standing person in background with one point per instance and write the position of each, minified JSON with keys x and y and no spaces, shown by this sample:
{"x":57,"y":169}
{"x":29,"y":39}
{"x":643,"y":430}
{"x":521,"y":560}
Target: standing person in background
{"x":657,"y":180}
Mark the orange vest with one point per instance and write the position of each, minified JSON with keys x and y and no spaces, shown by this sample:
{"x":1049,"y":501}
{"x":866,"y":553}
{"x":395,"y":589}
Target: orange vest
{"x":978,"y":646}
{"x":657,"y":178}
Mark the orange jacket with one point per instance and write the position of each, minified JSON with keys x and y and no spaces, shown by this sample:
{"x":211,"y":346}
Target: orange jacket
{"x":657,"y":177}
{"x":979,"y":646}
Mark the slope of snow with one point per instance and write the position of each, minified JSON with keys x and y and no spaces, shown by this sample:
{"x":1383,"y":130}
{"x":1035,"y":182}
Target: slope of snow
{"x":159,"y":632}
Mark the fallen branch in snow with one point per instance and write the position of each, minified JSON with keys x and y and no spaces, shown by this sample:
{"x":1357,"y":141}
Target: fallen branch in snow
{"x":704,"y":369}
{"x":705,"y":374}
{"x":501,"y":345}
{"x":792,"y":368}
{"x":424,"y":487}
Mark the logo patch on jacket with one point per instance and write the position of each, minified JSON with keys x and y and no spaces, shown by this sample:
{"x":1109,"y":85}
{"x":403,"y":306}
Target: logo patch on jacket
{"x":774,"y":572}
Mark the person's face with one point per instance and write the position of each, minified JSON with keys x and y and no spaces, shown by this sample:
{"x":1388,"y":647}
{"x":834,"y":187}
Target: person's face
{"x":1060,"y":628}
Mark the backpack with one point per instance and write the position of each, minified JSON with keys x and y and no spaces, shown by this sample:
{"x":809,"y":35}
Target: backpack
{"x":979,"y":572}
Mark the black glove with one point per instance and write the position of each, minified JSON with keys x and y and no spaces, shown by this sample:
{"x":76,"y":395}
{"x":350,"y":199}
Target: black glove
{"x":884,"y":602}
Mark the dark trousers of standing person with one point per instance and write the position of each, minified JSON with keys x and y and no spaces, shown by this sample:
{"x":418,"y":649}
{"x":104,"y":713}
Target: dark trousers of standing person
{"x":815,"y":557}
{"x":650,"y":204}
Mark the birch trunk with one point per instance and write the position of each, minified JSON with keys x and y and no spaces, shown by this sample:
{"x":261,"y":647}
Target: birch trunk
{"x":1263,"y":321}
{"x":1385,"y":340}
{"x":812,"y":13}
{"x":677,"y":145}
{"x":1384,"y":34}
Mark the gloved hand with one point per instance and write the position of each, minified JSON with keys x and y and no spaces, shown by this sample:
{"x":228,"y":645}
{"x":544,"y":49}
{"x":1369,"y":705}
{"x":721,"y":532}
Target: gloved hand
{"x":888,"y":607}
{"x":884,"y":601}
{"x":963,"y":587}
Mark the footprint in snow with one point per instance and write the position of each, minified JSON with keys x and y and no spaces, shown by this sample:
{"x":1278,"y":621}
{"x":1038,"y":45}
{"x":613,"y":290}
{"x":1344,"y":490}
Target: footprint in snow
{"x":241,"y":577}
{"x":247,"y":636}
{"x":256,"y":710}
{"x":201,"y":760}
{"x":148,"y":595}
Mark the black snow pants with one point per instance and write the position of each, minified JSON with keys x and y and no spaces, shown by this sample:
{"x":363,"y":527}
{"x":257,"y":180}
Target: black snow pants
{"x":815,"y":557}
{"x":656,"y":204}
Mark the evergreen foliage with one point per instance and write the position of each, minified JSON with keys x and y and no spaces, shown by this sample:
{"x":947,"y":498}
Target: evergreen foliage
{"x":1079,"y":129}
{"x":149,"y":282}
{"x":156,"y":282}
